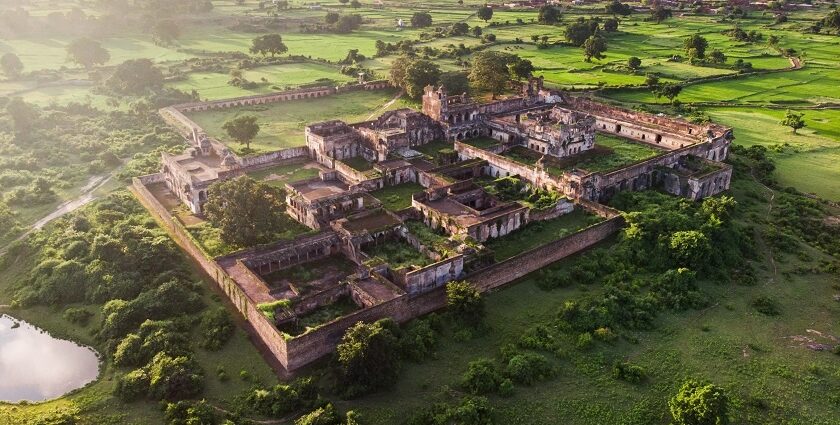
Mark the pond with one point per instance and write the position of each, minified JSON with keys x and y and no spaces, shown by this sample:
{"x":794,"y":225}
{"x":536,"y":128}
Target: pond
{"x":34,"y":366}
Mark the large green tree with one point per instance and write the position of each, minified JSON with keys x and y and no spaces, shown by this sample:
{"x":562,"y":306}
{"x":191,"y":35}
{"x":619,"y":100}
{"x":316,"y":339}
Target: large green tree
{"x":269,"y":44}
{"x":368,"y":357}
{"x":412,"y":75}
{"x":243,"y":129}
{"x":699,"y":404}
{"x":465,"y":302}
{"x":246,"y":211}
{"x":548,"y":15}
{"x":619,"y":8}
{"x":11,"y":65}
{"x":490,"y":70}
{"x":165,"y":32}
{"x":660,"y":13}
{"x":135,"y":76}
{"x":421,"y":20}
{"x":23,"y":115}
{"x":695,"y":46}
{"x":594,"y":47}
{"x":87,"y":53}
{"x":485,"y":13}
{"x":793,"y":120}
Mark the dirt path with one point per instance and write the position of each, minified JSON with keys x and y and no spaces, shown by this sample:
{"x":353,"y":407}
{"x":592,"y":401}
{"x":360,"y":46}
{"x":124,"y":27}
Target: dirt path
{"x":87,"y":196}
{"x":379,"y":110}
{"x":769,"y":211}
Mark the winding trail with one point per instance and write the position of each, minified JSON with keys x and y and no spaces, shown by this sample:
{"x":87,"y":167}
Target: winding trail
{"x":379,"y":110}
{"x":87,"y":196}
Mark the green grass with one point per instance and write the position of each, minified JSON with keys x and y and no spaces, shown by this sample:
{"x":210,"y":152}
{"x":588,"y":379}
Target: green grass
{"x":481,"y":142}
{"x":211,"y":85}
{"x":435,"y":149}
{"x":398,"y":254}
{"x":610,"y":153}
{"x":325,"y":314}
{"x":540,"y":233}
{"x":397,"y":197}
{"x":282,"y":124}
{"x":358,"y":163}
{"x":282,"y":174}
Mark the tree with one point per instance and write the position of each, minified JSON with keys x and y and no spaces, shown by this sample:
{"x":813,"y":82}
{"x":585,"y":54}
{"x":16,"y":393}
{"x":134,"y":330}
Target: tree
{"x":482,"y":377}
{"x":611,"y":25}
{"x":669,"y":90}
{"x":87,"y":53}
{"x":699,"y":404}
{"x":717,"y":56}
{"x":660,"y":13}
{"x":459,"y":28}
{"x":23,"y":115}
{"x":634,"y":62}
{"x":476,"y":31}
{"x":455,"y":82}
{"x":652,"y":81}
{"x":521,"y":68}
{"x":594,"y":47}
{"x":355,"y":4}
{"x":268,"y":44}
{"x":348,"y":23}
{"x":246,"y":211}
{"x":689,"y":248}
{"x":695,"y":46}
{"x":413,"y":75}
{"x":135,"y":76}
{"x":174,"y":378}
{"x":548,"y":15}
{"x":344,"y":2}
{"x":793,"y":120}
{"x":490,"y":71}
{"x":465,"y":302}
{"x":578,"y":32}
{"x":331,"y":17}
{"x":321,"y":416}
{"x":619,"y":8}
{"x":485,"y":13}
{"x":368,"y":357}
{"x":11,"y":65}
{"x":243,"y":129}
{"x":421,"y":20}
{"x":165,"y":32}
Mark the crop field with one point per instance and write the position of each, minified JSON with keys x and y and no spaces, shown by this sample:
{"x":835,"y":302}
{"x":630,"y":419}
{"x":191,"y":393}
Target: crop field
{"x":282,"y":124}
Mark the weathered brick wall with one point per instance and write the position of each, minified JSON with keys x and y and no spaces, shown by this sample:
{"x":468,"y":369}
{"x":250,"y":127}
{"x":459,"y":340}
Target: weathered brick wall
{"x":265,"y":331}
{"x":288,"y":155}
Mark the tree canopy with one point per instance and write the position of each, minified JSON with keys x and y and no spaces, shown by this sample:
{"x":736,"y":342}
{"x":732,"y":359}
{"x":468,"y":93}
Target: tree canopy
{"x":491,"y":70}
{"x":243,"y":129}
{"x":699,"y":404}
{"x":421,"y":20}
{"x":268,"y":44}
{"x":11,"y":65}
{"x":793,"y":120}
{"x":368,"y":357}
{"x":246,"y":211}
{"x":135,"y":76}
{"x":695,"y":46}
{"x":412,"y":75}
{"x":87,"y":53}
{"x":465,"y":302}
{"x":548,"y":15}
{"x":594,"y":47}
{"x":616,"y":7}
{"x":485,"y":13}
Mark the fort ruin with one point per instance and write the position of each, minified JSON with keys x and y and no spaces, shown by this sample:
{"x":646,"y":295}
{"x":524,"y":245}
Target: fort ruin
{"x":363,"y":261}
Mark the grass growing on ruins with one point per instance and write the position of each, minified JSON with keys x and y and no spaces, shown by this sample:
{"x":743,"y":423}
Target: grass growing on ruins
{"x":324,"y":314}
{"x":523,"y":155}
{"x":210,"y":237}
{"x":432,"y":239}
{"x":282,"y":124}
{"x":540,"y":233}
{"x":398,"y":254}
{"x":397,"y":197}
{"x":481,"y":142}
{"x":280,"y":175}
{"x":435,"y":149}
{"x":610,"y":153}
{"x":358,"y":163}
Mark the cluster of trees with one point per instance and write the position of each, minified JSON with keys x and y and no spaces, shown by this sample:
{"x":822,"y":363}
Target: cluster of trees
{"x":616,"y":7}
{"x":668,"y":90}
{"x":247,"y":212}
{"x":369,"y":356}
{"x":337,"y":23}
{"x":586,"y":33}
{"x":491,"y":71}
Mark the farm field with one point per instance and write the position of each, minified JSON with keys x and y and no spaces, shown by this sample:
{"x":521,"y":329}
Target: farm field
{"x":282,"y":124}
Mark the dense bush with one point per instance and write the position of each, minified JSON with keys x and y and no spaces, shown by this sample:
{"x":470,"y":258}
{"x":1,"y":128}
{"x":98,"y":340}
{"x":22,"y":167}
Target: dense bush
{"x":367,"y":358}
{"x":482,"y":377}
{"x":468,"y":411}
{"x":528,"y":368}
{"x":465,"y":302}
{"x":282,"y":399}
{"x":627,"y":372}
{"x":216,"y":328}
{"x":77,"y":315}
{"x":191,"y":413}
{"x":699,"y":404}
{"x":418,"y":339}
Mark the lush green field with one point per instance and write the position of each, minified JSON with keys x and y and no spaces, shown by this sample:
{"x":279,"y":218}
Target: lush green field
{"x":282,"y":124}
{"x":211,"y":85}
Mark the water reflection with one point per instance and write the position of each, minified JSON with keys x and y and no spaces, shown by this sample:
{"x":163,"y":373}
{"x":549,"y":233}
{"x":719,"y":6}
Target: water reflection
{"x":34,"y":366}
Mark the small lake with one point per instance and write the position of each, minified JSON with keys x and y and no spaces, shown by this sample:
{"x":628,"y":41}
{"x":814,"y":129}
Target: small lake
{"x":34,"y":366}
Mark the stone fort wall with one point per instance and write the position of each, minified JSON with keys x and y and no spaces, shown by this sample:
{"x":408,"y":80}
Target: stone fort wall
{"x":290,"y":354}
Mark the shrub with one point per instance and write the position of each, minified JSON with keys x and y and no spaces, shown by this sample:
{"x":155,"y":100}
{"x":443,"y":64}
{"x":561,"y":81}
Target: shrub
{"x":699,"y":404}
{"x":481,"y":377}
{"x":528,"y":368}
{"x":585,"y":341}
{"x":174,"y":378}
{"x":133,"y":385}
{"x":216,"y":328}
{"x":79,"y":316}
{"x":465,"y":302}
{"x":627,"y":372}
{"x":368,"y":358}
{"x":766,"y":306}
{"x":321,"y":416}
{"x":417,"y":340}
